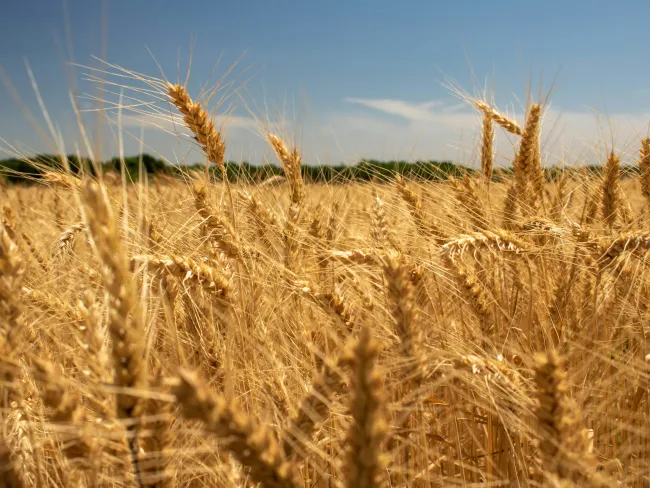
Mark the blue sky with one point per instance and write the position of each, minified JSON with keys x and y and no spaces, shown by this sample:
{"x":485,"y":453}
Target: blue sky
{"x":356,"y":78}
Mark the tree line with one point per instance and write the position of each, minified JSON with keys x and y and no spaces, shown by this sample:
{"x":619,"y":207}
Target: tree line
{"x":31,"y":170}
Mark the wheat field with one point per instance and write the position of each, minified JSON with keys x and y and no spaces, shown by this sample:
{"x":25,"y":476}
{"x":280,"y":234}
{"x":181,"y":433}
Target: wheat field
{"x":195,"y":332}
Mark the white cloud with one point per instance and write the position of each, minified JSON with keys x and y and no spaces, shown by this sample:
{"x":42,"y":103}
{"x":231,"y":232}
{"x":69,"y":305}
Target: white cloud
{"x":438,"y":130}
{"x":406,"y":110}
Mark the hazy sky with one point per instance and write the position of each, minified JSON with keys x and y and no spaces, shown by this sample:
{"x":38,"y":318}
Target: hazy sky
{"x":352,"y":78}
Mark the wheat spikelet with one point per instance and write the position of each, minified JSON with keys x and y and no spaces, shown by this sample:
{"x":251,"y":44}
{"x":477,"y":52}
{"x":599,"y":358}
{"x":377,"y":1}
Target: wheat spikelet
{"x":170,"y":292}
{"x":633,"y":242}
{"x":275,"y":180}
{"x":536,"y":175}
{"x":541,"y":227}
{"x":591,"y":206}
{"x":19,"y":430}
{"x":561,"y":306}
{"x":260,"y":210}
{"x":90,"y":273}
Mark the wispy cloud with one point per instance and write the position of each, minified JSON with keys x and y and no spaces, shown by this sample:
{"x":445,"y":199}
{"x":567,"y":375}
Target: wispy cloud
{"x":443,"y":130}
{"x":401,"y":108}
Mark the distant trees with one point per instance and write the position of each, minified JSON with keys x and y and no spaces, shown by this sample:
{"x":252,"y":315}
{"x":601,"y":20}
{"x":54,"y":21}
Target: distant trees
{"x":17,"y":170}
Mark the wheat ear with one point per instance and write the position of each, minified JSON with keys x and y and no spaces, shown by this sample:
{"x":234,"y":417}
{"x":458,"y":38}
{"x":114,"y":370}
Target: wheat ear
{"x":333,"y":302}
{"x":199,"y":122}
{"x":42,"y":262}
{"x":9,"y":221}
{"x":508,"y":124}
{"x":467,"y":195}
{"x":365,"y":463}
{"x":562,"y":445}
{"x":67,"y":240}
{"x":124,"y":318}
{"x":291,"y":164}
{"x":185,"y":268}
{"x":154,"y":465}
{"x":66,"y":413}
{"x":220,"y":230}
{"x":644,"y":167}
{"x":379,"y":225}
{"x":487,"y":147}
{"x":405,"y":314}
{"x":525,"y":160}
{"x":252,"y":445}
{"x":425,"y":226}
{"x":611,"y":191}
{"x":313,"y":409}
{"x":9,"y":474}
